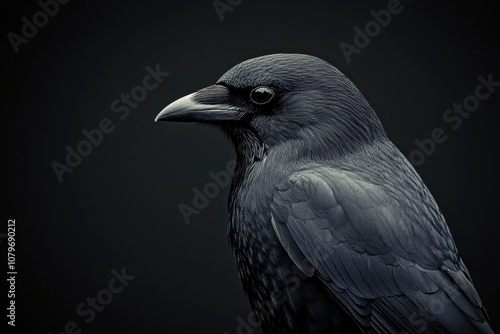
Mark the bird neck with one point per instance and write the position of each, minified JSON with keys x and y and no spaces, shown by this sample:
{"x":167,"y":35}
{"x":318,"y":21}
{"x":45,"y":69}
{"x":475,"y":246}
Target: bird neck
{"x":248,"y":146}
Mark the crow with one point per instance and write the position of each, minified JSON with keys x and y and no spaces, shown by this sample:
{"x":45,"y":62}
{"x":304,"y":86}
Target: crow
{"x":332,"y":229}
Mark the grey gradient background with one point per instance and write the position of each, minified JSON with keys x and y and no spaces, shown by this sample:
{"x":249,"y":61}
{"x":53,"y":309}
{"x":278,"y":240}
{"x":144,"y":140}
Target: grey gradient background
{"x":119,"y":208}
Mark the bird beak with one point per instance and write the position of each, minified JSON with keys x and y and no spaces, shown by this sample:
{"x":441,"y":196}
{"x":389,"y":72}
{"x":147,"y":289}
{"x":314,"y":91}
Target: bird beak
{"x":210,"y":104}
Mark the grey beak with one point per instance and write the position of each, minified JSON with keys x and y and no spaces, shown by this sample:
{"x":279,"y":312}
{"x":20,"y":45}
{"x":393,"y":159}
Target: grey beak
{"x":210,"y":104}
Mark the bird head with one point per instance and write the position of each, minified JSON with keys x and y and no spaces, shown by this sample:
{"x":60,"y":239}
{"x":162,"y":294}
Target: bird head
{"x":282,"y":98}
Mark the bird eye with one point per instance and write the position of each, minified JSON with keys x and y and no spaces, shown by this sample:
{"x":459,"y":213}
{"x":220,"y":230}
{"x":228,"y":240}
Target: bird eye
{"x":261,"y":95}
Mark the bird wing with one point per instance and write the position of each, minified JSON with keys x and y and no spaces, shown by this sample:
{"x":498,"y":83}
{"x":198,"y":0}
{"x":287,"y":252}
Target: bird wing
{"x":389,"y":267}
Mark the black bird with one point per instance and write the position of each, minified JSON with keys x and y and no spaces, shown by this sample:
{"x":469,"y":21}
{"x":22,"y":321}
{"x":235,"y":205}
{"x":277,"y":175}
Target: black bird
{"x":332,"y":229}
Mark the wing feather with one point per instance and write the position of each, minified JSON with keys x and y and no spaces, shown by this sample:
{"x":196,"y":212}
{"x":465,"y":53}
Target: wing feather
{"x":389,"y":265}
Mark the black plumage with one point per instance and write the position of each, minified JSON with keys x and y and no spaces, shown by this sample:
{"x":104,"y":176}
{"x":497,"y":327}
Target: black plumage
{"x":332,"y":229}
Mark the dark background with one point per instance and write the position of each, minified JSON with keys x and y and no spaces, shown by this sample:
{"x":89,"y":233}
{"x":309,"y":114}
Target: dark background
{"x":119,"y":207}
